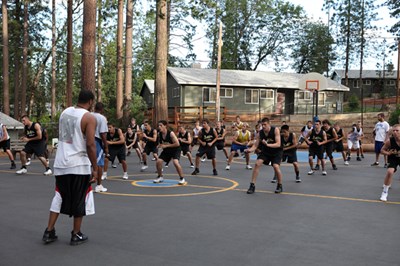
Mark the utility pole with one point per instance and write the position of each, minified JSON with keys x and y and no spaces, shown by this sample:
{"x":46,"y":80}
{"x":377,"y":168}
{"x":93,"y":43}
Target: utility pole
{"x":218,"y":83}
{"x":398,"y":73}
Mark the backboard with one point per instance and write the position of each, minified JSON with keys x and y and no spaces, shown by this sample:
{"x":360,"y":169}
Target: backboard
{"x":313,"y":82}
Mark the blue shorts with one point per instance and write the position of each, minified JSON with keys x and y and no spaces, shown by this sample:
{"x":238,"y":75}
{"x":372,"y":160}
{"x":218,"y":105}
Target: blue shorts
{"x":99,"y":152}
{"x":378,"y":146}
{"x":236,"y":147}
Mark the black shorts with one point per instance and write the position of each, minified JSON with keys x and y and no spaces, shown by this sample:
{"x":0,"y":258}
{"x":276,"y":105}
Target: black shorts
{"x":394,"y":162}
{"x":338,"y":146}
{"x":271,"y":158}
{"x":118,"y":152}
{"x":5,"y":145}
{"x":329,"y":149}
{"x":220,"y":145}
{"x":185,"y":149}
{"x":316,"y":151}
{"x":73,"y":190}
{"x":290,"y":157}
{"x":194,"y":141}
{"x":37,"y":148}
{"x":209,"y":151}
{"x":168,"y":154}
{"x":150,"y":149}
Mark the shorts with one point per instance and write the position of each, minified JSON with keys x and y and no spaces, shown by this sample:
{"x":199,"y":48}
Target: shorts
{"x":150,"y":149}
{"x":393,"y":162}
{"x":378,"y":146}
{"x":5,"y":145}
{"x":134,"y":146}
{"x":194,"y":141}
{"x":167,"y":155}
{"x":236,"y":147}
{"x":37,"y":148}
{"x":271,"y":158}
{"x":116,"y":152}
{"x":185,"y":149}
{"x":316,"y":151}
{"x":99,"y":152}
{"x":355,"y":145}
{"x":74,"y":196}
{"x":338,"y":146}
{"x":290,"y":157}
{"x":220,"y":145}
{"x":329,"y":149}
{"x":209,"y":151}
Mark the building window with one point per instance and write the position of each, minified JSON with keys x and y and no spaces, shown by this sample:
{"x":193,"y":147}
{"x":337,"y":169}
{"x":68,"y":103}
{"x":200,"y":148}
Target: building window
{"x":304,"y":95}
{"x":175,"y":92}
{"x":209,"y":95}
{"x":321,"y":98}
{"x":266,"y":94}
{"x":226,"y":93}
{"x":366,"y":82}
{"x":356,"y":83}
{"x":251,"y":96}
{"x":390,"y":82}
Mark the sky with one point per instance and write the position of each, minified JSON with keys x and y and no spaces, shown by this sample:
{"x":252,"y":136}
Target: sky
{"x":314,"y":9}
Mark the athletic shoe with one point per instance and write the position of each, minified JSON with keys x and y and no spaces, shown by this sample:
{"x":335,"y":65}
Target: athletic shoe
{"x":153,"y":159}
{"x":203,"y":159}
{"x":166,"y":165}
{"x":48,"y":172}
{"x":114,"y":165}
{"x":104,"y":176}
{"x":334,"y":167}
{"x":78,"y":238}
{"x":311,"y":172}
{"x":228,"y":167}
{"x":196,"y":171}
{"x":100,"y":188}
{"x":191,"y":166}
{"x":386,"y":165}
{"x":384,"y":196}
{"x":278,"y":188}
{"x":13,"y":165}
{"x":215,"y":172}
{"x":358,"y":158}
{"x":348,"y":158}
{"x":159,"y":179}
{"x":28,"y":162}
{"x":316,"y":168}
{"x":362,"y":156}
{"x":273,"y":179}
{"x":181,"y":181}
{"x":144,"y":167}
{"x":22,"y":171}
{"x":248,"y":167}
{"x":49,"y":236}
{"x":346,"y":162}
{"x":298,"y":180}
{"x":251,"y":189}
{"x":125,"y":176}
{"x":375,"y":164}
{"x":324,"y":173}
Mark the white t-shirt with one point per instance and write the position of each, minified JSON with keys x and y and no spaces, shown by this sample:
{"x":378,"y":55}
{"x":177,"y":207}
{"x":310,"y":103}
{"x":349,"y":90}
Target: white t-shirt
{"x":381,"y":129}
{"x":101,"y":126}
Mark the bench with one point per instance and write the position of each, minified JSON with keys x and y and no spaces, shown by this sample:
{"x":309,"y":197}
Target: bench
{"x":16,"y":146}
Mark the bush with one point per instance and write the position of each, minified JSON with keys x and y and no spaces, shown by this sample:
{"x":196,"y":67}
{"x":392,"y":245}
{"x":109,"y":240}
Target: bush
{"x":394,"y":116}
{"x":354,"y":103}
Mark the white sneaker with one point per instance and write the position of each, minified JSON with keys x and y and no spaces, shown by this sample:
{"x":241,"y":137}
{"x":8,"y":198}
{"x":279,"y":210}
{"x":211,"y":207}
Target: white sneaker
{"x":48,"y":172}
{"x":28,"y":162}
{"x":182,"y":181}
{"x":191,"y":166}
{"x":346,"y":162}
{"x":311,"y":172}
{"x":125,"y":176}
{"x":144,"y":167}
{"x":203,"y":159}
{"x":384,"y":196}
{"x":22,"y":171}
{"x":100,"y":188}
{"x":248,"y":167}
{"x":104,"y":176}
{"x":114,"y":166}
{"x":228,"y":167}
{"x":153,"y":159}
{"x":160,"y":179}
{"x":324,"y":173}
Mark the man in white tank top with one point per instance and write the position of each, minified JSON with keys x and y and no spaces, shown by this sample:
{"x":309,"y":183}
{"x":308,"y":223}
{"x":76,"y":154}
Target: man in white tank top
{"x":75,"y":168}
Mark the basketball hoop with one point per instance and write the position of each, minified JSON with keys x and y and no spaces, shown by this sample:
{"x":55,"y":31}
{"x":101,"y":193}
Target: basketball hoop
{"x":313,"y":82}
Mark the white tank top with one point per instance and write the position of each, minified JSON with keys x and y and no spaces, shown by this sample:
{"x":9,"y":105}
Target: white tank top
{"x":71,"y":156}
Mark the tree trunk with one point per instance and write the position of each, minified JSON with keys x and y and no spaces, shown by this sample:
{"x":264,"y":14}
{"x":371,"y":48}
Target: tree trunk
{"x":17,"y":58}
{"x":53,"y":62}
{"x":348,"y":35}
{"x":160,"y":89}
{"x":88,"y":71}
{"x":70,"y":57}
{"x":120,"y":73}
{"x":6,"y":76}
{"x":24,"y":60}
{"x":128,"y":60}
{"x":99,"y":51}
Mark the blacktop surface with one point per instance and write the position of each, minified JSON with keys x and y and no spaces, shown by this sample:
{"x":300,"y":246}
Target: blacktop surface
{"x":325,"y":220}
